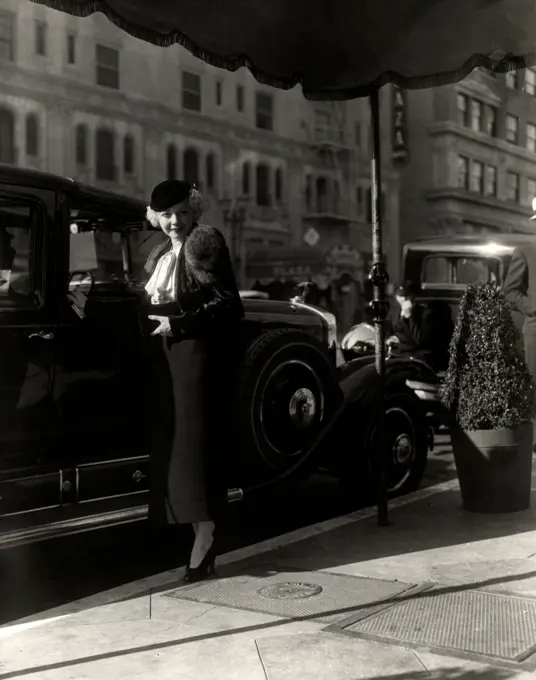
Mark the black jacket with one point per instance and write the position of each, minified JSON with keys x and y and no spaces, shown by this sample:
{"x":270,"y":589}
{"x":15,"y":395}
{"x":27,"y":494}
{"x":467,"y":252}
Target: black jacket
{"x":208,"y":300}
{"x":520,"y":286}
{"x":426,"y":335}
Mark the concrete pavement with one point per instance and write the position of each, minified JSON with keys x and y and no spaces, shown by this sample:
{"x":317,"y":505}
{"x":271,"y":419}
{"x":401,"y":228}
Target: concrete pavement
{"x":429,"y":590}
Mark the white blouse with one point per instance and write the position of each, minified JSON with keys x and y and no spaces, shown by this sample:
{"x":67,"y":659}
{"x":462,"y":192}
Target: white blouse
{"x":161,"y":287}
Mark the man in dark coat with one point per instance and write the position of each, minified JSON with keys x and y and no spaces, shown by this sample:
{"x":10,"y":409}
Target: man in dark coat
{"x":520,"y":291}
{"x":421,"y":332}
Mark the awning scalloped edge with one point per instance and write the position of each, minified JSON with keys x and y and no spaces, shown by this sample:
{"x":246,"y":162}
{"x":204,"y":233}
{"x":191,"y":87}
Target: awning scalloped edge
{"x":506,"y":63}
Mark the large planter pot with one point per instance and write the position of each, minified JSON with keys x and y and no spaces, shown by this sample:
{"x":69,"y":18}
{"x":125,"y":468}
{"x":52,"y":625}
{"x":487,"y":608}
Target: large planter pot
{"x":494,"y":468}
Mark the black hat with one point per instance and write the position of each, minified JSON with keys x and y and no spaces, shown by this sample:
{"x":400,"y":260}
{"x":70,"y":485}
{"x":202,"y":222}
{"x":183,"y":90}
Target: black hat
{"x":168,"y":193}
{"x":407,"y":289}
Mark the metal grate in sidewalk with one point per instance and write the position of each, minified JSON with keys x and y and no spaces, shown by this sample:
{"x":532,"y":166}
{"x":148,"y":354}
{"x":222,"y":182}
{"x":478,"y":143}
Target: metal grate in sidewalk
{"x":478,"y":623}
{"x":320,"y":595}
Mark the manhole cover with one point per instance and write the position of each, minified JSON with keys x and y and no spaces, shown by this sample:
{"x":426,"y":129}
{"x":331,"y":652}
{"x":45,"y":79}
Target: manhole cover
{"x":290,"y":593}
{"x":290,"y":590}
{"x":474,"y":622}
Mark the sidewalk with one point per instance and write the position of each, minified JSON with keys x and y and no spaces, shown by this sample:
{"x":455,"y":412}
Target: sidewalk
{"x":439,"y":594}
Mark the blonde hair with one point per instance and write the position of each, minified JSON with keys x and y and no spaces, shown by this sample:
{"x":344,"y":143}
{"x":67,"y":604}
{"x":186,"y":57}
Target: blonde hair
{"x":196,"y":201}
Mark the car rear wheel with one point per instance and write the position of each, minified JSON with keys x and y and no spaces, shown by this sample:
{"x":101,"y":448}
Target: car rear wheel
{"x":406,"y":439}
{"x":287,"y":390}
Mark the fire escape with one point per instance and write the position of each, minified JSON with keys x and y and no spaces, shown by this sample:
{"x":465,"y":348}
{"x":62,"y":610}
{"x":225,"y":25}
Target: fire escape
{"x":327,"y":208}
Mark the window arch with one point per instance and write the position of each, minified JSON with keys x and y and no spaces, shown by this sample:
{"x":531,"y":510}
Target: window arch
{"x":246,"y":178}
{"x":128,"y":155}
{"x":105,"y":154}
{"x":81,"y":144}
{"x":191,"y":166}
{"x":263,"y":184}
{"x":32,"y":135}
{"x":211,"y":172}
{"x":278,"y":180}
{"x":171,"y":162}
{"x":7,"y":136}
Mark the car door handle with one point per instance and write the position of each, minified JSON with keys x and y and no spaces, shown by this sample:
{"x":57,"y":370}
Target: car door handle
{"x":44,"y":335}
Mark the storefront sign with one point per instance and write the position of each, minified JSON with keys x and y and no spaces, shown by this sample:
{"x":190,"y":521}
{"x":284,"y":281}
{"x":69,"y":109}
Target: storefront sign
{"x":292,"y":272}
{"x":400,"y":143}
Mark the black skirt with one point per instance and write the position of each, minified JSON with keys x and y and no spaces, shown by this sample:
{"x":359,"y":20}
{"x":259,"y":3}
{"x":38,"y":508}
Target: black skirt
{"x":190,"y":430}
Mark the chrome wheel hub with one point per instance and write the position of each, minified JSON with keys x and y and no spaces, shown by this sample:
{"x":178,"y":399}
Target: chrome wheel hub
{"x":302,"y":407}
{"x":403,"y":450}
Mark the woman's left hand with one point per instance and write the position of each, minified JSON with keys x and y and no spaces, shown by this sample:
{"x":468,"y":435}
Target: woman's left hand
{"x":164,"y":328}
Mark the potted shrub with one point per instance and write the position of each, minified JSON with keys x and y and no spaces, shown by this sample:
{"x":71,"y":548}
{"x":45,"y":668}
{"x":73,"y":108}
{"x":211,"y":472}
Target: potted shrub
{"x":489,"y":395}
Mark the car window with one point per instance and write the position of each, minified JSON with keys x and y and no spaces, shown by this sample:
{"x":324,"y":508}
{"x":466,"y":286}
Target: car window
{"x":97,"y":252}
{"x":456,"y":270}
{"x":16,"y":233}
{"x":98,"y":237}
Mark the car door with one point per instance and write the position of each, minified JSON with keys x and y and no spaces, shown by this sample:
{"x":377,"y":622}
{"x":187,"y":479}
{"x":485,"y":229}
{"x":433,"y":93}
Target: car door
{"x":98,"y":372}
{"x":30,"y":476}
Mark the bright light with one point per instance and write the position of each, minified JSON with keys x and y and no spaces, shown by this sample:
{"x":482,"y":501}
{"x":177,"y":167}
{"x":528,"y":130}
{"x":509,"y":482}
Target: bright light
{"x":493,"y":249}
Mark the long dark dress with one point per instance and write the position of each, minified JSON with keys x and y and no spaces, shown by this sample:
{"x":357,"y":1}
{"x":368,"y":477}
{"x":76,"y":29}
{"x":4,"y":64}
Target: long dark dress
{"x":192,"y":378}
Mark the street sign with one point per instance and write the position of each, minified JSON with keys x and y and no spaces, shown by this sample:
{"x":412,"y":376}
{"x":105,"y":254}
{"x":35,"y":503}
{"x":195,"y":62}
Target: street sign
{"x":311,"y":237}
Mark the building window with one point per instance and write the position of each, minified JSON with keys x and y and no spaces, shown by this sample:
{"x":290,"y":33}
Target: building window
{"x":476,"y":115}
{"x":512,"y":186}
{"x":530,"y":82}
{"x":490,"y":121}
{"x":71,"y":48}
{"x":477,"y":177}
{"x":240,"y":98}
{"x":246,"y":178}
{"x":7,"y":136}
{"x":463,"y":110}
{"x":511,"y":79}
{"x":263,"y":185}
{"x":491,"y":181}
{"x":512,"y":128}
{"x":40,"y":38}
{"x":358,"y":134}
{"x":531,"y":137}
{"x":191,"y":91}
{"x":105,"y":154}
{"x":321,"y":195}
{"x":107,"y":66}
{"x":128,"y":155}
{"x":81,"y":144}
{"x":191,"y":166}
{"x":171,"y":161}
{"x":211,"y":171}
{"x":359,"y":198}
{"x":219,"y":93}
{"x":7,"y":37}
{"x":264,"y":118}
{"x":463,"y":172}
{"x":531,"y":190}
{"x":32,"y":135}
{"x":278,"y":181}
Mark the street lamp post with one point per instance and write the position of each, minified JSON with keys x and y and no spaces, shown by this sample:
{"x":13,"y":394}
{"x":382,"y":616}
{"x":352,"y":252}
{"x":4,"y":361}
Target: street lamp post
{"x":234,"y":215}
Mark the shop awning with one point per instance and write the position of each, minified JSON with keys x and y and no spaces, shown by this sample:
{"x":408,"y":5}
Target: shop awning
{"x":337,"y":49}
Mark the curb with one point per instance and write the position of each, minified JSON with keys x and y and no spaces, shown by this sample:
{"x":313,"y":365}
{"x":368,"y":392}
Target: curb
{"x":169,"y":577}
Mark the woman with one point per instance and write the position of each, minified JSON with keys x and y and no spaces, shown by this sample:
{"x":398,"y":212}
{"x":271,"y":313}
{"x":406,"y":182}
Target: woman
{"x":196,"y":304}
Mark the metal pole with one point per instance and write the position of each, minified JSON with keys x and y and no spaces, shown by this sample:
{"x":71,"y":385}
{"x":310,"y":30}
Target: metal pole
{"x":380,"y":307}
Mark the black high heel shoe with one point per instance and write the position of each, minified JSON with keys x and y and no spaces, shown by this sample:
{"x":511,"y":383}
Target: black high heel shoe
{"x":204,"y":570}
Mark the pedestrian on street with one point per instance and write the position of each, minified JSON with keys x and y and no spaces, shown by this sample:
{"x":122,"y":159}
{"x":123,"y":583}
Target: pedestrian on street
{"x":520,"y":290}
{"x":197,"y":308}
{"x":422,"y":332}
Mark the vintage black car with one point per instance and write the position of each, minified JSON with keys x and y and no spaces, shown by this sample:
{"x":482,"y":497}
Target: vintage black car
{"x":73,"y":452}
{"x":443,"y":267}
